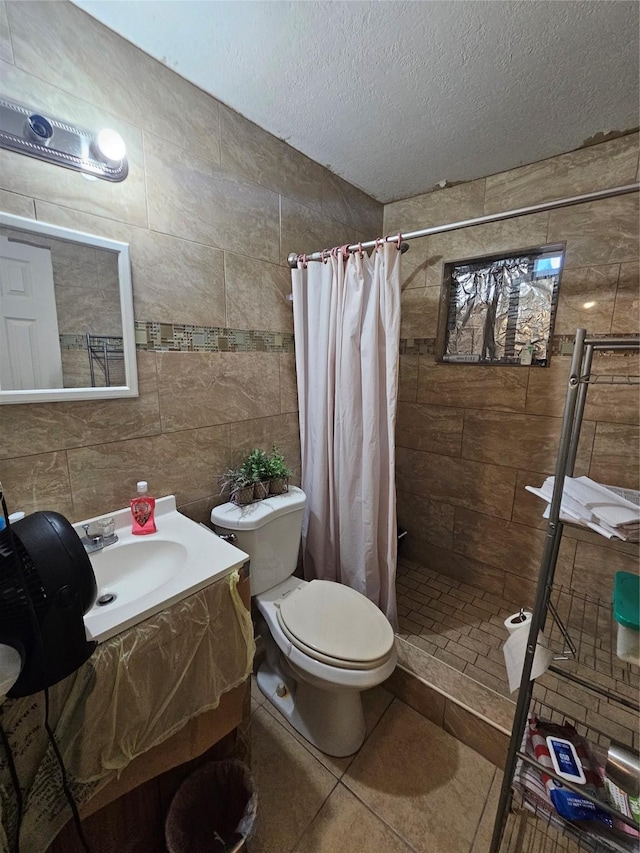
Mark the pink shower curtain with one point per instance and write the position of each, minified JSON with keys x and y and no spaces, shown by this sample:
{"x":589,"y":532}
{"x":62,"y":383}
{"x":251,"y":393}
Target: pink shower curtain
{"x":347,"y":330}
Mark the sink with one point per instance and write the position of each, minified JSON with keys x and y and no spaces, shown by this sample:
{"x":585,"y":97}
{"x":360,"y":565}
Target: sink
{"x":127,"y":569}
{"x":142,"y":575}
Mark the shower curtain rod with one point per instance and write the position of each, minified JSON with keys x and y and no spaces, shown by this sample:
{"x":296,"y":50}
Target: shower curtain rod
{"x":479,"y":220}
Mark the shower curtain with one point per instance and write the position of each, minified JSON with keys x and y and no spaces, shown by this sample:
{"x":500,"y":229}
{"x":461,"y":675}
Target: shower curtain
{"x":347,"y":330}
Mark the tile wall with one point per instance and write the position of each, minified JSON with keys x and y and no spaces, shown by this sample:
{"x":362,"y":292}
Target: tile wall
{"x":211,"y":208}
{"x":469,"y":438}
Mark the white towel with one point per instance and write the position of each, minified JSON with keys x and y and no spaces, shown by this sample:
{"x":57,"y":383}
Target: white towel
{"x":592,"y":505}
{"x":603,"y":503}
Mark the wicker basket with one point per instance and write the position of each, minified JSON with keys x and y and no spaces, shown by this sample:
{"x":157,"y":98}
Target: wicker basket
{"x":242,"y":496}
{"x":278,"y":486}
{"x":260,"y":490}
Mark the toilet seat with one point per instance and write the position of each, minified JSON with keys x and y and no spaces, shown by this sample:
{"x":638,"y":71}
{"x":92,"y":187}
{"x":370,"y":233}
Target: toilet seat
{"x":336,"y":625}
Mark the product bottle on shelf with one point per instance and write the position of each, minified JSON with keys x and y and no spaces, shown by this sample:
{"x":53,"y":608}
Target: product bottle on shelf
{"x":142,"y":511}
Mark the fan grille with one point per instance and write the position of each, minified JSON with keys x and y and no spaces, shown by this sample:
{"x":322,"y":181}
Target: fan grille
{"x":14,"y":595}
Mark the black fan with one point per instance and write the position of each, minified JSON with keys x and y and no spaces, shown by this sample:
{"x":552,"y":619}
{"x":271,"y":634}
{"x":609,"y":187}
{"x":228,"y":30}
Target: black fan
{"x":46,"y":586}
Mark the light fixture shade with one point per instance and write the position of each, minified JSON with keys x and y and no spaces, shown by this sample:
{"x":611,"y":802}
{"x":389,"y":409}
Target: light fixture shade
{"x":28,"y":131}
{"x":110,"y":146}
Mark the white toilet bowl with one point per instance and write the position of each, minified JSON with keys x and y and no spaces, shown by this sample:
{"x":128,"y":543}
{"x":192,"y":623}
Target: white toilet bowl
{"x":318,"y":693}
{"x":325,"y":642}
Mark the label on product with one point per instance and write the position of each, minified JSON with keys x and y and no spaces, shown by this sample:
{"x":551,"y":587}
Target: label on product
{"x":565,"y":760}
{"x":141,"y":510}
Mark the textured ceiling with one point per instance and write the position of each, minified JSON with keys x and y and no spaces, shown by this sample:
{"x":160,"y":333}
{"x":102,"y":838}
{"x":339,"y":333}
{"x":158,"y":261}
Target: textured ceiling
{"x":399,"y":96}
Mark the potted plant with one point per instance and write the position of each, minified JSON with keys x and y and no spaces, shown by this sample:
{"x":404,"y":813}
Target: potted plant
{"x":239,"y":484}
{"x":256,"y":469}
{"x":279,"y":473}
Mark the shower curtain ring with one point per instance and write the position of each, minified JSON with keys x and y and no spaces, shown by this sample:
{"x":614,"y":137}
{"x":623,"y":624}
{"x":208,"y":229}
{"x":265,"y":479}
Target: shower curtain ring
{"x":304,"y":262}
{"x":399,"y":243}
{"x":322,"y":256}
{"x":344,"y":251}
{"x":360,"y":252}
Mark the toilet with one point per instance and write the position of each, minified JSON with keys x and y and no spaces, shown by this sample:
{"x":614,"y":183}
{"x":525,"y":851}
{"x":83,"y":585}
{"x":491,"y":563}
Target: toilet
{"x":325,"y":642}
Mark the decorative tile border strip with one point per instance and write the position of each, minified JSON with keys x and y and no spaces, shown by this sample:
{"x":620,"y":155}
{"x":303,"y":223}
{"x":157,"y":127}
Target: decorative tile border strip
{"x":77,"y":342}
{"x":560,"y":345}
{"x":417,"y":346}
{"x":563,"y":345}
{"x":179,"y":337}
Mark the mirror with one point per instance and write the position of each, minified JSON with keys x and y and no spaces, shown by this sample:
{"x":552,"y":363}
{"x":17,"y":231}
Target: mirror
{"x":66,"y":315}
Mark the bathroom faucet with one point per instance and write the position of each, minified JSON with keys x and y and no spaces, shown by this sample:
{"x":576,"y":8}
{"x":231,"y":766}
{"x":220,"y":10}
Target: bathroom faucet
{"x":99,"y":541}
{"x":91,"y":543}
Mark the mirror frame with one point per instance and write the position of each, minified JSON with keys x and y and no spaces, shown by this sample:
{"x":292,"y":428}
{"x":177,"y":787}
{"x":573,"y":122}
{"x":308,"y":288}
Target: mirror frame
{"x":130,"y":388}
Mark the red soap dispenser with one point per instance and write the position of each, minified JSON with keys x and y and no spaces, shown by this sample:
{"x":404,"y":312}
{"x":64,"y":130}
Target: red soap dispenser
{"x":142,"y":511}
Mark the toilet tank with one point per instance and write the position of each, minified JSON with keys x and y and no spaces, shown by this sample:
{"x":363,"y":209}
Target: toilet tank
{"x":269,"y":532}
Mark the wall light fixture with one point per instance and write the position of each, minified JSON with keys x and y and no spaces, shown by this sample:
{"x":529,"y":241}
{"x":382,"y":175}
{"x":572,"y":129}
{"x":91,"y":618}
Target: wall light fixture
{"x":25,"y":130}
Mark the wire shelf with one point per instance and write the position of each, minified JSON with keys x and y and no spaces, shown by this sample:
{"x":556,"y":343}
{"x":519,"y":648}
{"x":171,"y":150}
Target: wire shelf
{"x":611,"y":379}
{"x":532,"y":829}
{"x":536,"y":827}
{"x":107,"y":352}
{"x":586,"y":681}
{"x":592,"y":630}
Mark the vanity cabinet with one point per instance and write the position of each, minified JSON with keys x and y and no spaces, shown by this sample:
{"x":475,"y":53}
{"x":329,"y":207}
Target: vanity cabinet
{"x":587,"y":685}
{"x":128,"y":812}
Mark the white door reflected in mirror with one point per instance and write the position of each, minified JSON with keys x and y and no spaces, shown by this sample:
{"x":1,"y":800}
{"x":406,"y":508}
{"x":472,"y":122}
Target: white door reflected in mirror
{"x":30,"y":341}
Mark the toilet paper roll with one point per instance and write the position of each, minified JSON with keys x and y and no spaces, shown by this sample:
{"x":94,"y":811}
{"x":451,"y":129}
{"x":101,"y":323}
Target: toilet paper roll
{"x":513,"y":622}
{"x":515,"y":649}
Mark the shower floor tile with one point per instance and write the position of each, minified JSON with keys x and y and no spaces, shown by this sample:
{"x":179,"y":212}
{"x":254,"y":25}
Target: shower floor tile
{"x":455,"y":622}
{"x":470,"y":641}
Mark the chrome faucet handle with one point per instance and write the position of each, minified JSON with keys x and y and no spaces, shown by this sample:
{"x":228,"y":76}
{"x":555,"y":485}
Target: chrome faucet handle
{"x":91,"y":543}
{"x":93,"y":539}
{"x":107,"y":527}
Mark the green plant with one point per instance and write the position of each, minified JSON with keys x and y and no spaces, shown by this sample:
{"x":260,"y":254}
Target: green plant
{"x":256,"y":466}
{"x":277,"y":467}
{"x":234,"y":479}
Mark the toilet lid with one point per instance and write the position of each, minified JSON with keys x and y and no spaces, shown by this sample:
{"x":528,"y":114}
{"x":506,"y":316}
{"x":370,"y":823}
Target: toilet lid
{"x":336,"y":624}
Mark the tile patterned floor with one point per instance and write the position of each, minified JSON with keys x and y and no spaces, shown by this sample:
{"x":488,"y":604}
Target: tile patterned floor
{"x":456,"y":623}
{"x":464,"y":627}
{"x":411,"y":787}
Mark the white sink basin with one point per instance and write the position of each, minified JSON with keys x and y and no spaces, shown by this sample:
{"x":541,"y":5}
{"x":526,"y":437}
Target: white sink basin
{"x":141,"y":575}
{"x":128,"y":568}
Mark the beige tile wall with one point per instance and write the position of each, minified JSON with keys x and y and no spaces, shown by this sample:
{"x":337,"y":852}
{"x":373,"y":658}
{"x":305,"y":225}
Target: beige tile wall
{"x":211,"y":208}
{"x":469,"y":438}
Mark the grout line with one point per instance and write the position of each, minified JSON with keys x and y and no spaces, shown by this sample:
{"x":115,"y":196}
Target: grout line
{"x":484,"y":809}
{"x":308,"y":826}
{"x":378,"y":817}
{"x":145,"y":180}
{"x":277,"y":716}
{"x":224,"y":289}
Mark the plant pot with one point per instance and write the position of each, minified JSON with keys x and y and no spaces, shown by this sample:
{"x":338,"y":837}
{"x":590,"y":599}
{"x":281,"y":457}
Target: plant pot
{"x":260,"y":490}
{"x":242,"y":496}
{"x":279,"y":485}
